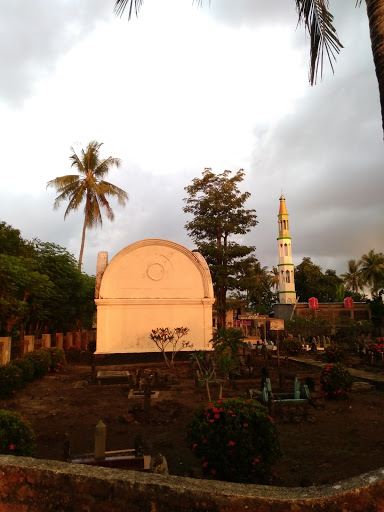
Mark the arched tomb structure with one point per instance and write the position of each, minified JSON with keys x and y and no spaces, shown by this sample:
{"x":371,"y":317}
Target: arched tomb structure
{"x":149,"y":284}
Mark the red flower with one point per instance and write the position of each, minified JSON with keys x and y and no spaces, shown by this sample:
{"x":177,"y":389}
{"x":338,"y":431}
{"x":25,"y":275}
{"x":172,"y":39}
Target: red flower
{"x":216,"y":416}
{"x":255,"y":461}
{"x":205,"y":464}
{"x":12,"y":446}
{"x":245,"y":424}
{"x":213,"y":471}
{"x":211,"y":421}
{"x":194,"y":446}
{"x":231,"y":443}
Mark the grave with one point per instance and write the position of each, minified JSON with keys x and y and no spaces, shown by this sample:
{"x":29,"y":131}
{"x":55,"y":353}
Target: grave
{"x":113,"y":377}
{"x":149,"y":284}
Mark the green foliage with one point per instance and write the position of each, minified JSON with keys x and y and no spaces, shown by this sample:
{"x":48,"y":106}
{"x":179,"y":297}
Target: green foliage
{"x":16,"y":435}
{"x":11,"y":380}
{"x":334,"y":354}
{"x":26,"y":368}
{"x":348,"y":331}
{"x":307,"y":327}
{"x":217,"y":206}
{"x":73,"y":354}
{"x":41,"y":361}
{"x":235,"y":440}
{"x":310,"y":281}
{"x":291,"y":346}
{"x":40,"y":286}
{"x":228,"y":339}
{"x":336,"y":381}
{"x":57,"y":356}
{"x":377,"y":348}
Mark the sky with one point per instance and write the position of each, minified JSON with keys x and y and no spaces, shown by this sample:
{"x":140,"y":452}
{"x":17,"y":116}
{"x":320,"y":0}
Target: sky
{"x":180,"y":89}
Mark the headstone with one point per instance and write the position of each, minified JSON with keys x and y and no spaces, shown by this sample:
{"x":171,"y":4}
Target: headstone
{"x":100,"y":439}
{"x":296,"y":394}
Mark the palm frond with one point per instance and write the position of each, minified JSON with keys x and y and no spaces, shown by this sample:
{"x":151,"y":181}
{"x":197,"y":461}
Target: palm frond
{"x":323,"y":37}
{"x":121,"y":5}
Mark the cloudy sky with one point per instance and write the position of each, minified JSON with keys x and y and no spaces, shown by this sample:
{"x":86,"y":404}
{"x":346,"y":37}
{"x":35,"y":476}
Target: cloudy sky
{"x":182,"y":88}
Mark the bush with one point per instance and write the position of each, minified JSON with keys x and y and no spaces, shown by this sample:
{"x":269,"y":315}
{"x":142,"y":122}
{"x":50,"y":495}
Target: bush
{"x":57,"y":356}
{"x":334,"y":354}
{"x":377,"y":348}
{"x":41,"y":361}
{"x":16,"y":435}
{"x":235,"y":440}
{"x":336,"y":381}
{"x":73,"y":354}
{"x":11,"y":379}
{"x":26,"y":368}
{"x":292,"y":346}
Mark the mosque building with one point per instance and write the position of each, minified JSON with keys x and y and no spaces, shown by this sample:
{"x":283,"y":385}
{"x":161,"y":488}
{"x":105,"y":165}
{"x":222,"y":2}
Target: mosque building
{"x":287,"y":293}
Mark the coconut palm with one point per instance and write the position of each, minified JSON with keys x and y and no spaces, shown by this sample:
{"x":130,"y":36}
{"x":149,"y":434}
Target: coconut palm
{"x":353,"y":278}
{"x":318,"y":20}
{"x":89,"y":186}
{"x":274,"y":274}
{"x":372,"y":270}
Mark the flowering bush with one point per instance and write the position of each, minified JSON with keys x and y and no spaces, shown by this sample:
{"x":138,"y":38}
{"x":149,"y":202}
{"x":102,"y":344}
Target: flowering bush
{"x":73,"y":354}
{"x":235,"y":440}
{"x":334,"y":354}
{"x":11,"y":380}
{"x":167,"y":340}
{"x":377,"y":348}
{"x":26,"y":368}
{"x":41,"y":361}
{"x":291,"y":346}
{"x":336,"y":381}
{"x":57,"y":358}
{"x":16,"y":435}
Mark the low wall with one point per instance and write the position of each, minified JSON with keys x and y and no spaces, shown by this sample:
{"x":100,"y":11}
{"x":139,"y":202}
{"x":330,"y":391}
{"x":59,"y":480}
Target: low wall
{"x":31,"y":485}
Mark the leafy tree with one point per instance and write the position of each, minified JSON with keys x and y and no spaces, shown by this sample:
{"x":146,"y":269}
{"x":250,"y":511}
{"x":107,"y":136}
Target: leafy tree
{"x":257,"y":283}
{"x":372,"y":270}
{"x":89,"y":186}
{"x":353,"y":278}
{"x":12,"y":243}
{"x":307,"y":327}
{"x":318,"y":20}
{"x":310,"y":281}
{"x":217,"y":206}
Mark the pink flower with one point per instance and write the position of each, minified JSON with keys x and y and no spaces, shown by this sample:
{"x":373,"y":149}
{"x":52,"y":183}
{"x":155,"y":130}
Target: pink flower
{"x":12,"y":446}
{"x":231,"y":443}
{"x":205,"y":441}
{"x":211,"y":421}
{"x":205,"y":464}
{"x":245,"y":424}
{"x":194,"y":446}
{"x":216,"y":416}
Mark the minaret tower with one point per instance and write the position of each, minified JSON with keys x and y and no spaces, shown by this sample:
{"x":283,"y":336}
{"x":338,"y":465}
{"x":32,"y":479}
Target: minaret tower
{"x":287,"y":293}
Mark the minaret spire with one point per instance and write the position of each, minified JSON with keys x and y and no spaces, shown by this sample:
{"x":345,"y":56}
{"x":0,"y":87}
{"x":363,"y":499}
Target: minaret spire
{"x":287,"y":293}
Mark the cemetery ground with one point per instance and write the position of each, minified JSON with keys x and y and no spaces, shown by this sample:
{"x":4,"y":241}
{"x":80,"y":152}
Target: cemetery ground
{"x":323,"y":441}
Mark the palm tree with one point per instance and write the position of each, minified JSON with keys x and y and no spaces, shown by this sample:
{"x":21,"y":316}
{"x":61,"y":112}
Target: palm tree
{"x":88,"y":185}
{"x":274,"y":273}
{"x":372,"y":270}
{"x":353,"y":278}
{"x":318,"y":20}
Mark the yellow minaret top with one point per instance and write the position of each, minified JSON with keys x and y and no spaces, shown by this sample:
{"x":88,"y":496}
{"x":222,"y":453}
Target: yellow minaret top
{"x":283,"y":208}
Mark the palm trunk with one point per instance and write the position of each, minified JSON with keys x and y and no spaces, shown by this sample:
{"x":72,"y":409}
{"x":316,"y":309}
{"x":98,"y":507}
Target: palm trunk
{"x":82,"y":242}
{"x":375,"y":12}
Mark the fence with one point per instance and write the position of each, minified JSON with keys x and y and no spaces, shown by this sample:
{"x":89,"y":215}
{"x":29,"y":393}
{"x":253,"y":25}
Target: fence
{"x":11,"y":349}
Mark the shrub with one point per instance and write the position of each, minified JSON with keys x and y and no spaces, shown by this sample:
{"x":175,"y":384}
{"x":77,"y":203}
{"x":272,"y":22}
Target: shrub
{"x":377,"y":348}
{"x":292,"y":346}
{"x":16,"y":435}
{"x":336,"y":381}
{"x":334,"y":354}
{"x":57,"y":358}
{"x":235,"y":440}
{"x":11,"y":379}
{"x":26,"y":368}
{"x":167,"y":340}
{"x":41,"y":361}
{"x":73,"y":354}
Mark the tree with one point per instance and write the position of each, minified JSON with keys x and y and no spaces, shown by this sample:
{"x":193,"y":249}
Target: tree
{"x":217,"y":206}
{"x":318,"y":21}
{"x":88,"y":186}
{"x":352,"y":278}
{"x":372,"y":270}
{"x":310,"y":281}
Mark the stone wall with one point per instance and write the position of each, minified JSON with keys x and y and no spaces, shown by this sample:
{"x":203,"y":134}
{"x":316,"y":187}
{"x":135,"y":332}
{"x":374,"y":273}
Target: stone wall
{"x":31,"y":485}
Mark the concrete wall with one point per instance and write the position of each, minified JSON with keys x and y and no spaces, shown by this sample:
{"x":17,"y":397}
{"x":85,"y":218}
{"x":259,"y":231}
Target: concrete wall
{"x":149,"y":284}
{"x":30,"y":485}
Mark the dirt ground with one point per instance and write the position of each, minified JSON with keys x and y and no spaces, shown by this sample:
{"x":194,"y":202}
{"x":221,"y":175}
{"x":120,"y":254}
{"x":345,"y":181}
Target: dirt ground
{"x":322,"y":442}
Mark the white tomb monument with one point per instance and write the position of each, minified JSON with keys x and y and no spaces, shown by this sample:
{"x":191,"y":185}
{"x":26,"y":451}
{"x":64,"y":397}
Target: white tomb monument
{"x":149,"y":284}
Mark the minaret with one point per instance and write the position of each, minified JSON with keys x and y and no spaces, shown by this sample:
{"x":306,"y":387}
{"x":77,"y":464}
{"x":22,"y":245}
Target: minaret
{"x":287,"y":293}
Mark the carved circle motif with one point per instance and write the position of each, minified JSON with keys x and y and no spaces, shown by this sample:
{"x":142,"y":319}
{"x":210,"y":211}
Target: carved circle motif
{"x":155,"y":271}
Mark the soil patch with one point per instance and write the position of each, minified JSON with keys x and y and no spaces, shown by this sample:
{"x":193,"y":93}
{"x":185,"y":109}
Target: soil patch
{"x":322,"y":442}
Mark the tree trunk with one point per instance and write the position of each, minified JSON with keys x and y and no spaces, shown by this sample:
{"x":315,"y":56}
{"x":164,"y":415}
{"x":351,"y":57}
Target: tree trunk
{"x":375,"y":12}
{"x":83,"y":236}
